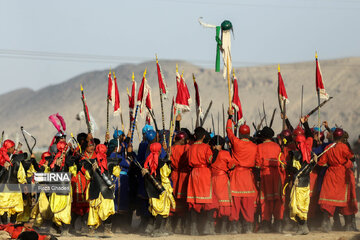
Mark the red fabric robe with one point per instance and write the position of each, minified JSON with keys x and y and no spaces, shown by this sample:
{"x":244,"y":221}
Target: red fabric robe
{"x":200,"y":186}
{"x":244,"y":152}
{"x":337,"y":185}
{"x":271,"y":172}
{"x":220,"y":179}
{"x":180,"y":169}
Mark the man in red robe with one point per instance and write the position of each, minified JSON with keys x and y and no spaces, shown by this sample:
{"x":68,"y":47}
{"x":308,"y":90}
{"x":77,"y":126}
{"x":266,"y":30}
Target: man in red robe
{"x":200,"y":190}
{"x":338,"y":187}
{"x":243,"y":189}
{"x":221,"y":182}
{"x":180,"y":177}
{"x":271,"y":181}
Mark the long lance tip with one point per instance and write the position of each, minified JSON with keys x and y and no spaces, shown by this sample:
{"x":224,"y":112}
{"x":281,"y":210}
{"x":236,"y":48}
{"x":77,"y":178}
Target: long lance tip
{"x":81,"y":87}
{"x":182,"y":74}
{"x":194,"y":78}
{"x":133,"y":76}
{"x":127,"y":90}
{"x":177,"y":68}
{"x":316,"y":55}
{"x":157,"y":60}
{"x":114,"y":74}
{"x":144,"y":72}
{"x":278,"y":67}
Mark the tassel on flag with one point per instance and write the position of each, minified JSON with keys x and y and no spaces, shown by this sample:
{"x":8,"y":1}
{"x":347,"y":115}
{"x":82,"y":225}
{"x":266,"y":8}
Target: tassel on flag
{"x":320,"y":88}
{"x":115,"y":98}
{"x":182,"y":101}
{"x":281,"y":87}
{"x":236,"y":104}
{"x":162,"y":83}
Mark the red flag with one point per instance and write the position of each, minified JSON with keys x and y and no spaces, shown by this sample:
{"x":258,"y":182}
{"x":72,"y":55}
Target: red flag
{"x":148,"y":105}
{"x":109,"y":86}
{"x":162,"y":83}
{"x":140,"y":96}
{"x":115,"y":99}
{"x":236,"y":101}
{"x":131,"y":98}
{"x":320,"y":88}
{"x":281,"y":87}
{"x":197,"y":97}
{"x":183,"y":99}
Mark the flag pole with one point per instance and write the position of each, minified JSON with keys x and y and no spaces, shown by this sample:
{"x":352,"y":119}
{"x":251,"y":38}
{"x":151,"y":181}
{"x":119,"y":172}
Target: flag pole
{"x":136,"y":111}
{"x":107,"y":109}
{"x":161,"y":105}
{"x":318,"y":94}
{"x":228,"y":80}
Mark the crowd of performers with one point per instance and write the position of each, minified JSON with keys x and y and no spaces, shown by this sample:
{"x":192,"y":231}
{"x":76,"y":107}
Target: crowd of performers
{"x":200,"y":185}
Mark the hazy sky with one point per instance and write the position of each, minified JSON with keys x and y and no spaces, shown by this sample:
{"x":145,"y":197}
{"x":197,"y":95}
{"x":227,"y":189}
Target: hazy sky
{"x":47,"y":42}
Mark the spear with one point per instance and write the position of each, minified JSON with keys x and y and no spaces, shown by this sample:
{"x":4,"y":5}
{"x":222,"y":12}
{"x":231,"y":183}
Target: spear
{"x":2,"y":138}
{"x":272,"y":117}
{"x":86,"y":111}
{"x":107,"y":102}
{"x":302,"y":100}
{"x":213,"y":124}
{"x":223,"y":110}
{"x":218,"y":123}
{"x":206,"y":113}
{"x":161,"y":98}
{"x":319,"y":106}
{"x":264,"y":113}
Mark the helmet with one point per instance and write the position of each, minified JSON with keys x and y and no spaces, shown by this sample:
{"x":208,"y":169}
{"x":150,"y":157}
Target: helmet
{"x":147,"y":128}
{"x":180,"y":135}
{"x":244,"y":129}
{"x":150,"y":135}
{"x":338,"y":133}
{"x":286,"y":133}
{"x":8,"y":144}
{"x":212,"y":135}
{"x":226,"y":25}
{"x":60,"y":134}
{"x":117,"y":133}
{"x":267,"y":133}
{"x":300,"y":138}
{"x":298,"y":131}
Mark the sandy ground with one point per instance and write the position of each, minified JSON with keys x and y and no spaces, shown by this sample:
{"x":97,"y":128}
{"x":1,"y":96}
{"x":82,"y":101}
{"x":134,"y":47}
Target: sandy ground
{"x":269,"y":236}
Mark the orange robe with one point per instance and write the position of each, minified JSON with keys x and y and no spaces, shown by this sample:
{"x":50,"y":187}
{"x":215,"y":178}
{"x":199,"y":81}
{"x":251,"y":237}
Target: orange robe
{"x":180,"y":170}
{"x":200,"y":186}
{"x":244,"y":152}
{"x":271,"y":180}
{"x":220,"y":179}
{"x":337,"y":180}
{"x":267,"y":160}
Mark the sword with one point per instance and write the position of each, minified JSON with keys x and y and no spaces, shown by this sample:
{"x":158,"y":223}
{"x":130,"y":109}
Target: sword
{"x":321,"y":105}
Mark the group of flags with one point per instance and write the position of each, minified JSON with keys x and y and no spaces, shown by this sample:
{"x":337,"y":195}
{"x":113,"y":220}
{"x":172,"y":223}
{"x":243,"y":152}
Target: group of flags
{"x":182,"y":100}
{"x":320,"y":88}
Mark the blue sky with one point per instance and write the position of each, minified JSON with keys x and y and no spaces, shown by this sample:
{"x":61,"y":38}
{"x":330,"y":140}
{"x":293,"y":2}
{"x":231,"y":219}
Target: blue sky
{"x":266,"y":32}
